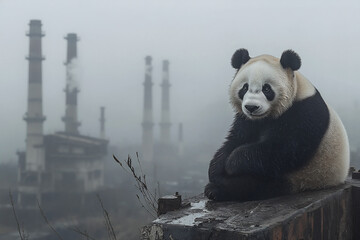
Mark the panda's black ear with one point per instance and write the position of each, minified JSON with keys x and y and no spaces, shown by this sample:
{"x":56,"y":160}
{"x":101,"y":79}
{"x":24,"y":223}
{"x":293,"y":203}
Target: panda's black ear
{"x":290,"y":59}
{"x":240,"y":57}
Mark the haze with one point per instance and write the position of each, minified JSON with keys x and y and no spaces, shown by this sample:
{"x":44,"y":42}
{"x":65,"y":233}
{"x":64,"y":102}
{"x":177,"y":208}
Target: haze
{"x":197,"y":37}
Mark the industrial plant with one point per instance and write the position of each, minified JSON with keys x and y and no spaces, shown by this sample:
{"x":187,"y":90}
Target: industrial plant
{"x":66,"y":162}
{"x":62,"y":172}
{"x":162,"y":155}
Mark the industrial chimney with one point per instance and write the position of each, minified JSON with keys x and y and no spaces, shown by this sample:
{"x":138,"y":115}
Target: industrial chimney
{"x":71,"y":89}
{"x":180,"y":141}
{"x":165,"y":105}
{"x":147,"y":124}
{"x":102,"y":122}
{"x":35,"y":159}
{"x":32,"y":161}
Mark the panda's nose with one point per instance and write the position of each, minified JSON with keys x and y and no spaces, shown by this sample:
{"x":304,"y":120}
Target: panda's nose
{"x":251,"y":108}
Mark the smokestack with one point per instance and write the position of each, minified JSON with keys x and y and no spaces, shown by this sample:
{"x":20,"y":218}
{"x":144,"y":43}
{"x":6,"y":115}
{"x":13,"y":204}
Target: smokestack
{"x":147,"y":124}
{"x":102,"y":122}
{"x":180,"y":141}
{"x":71,"y":89}
{"x":35,"y":159}
{"x":165,"y":105}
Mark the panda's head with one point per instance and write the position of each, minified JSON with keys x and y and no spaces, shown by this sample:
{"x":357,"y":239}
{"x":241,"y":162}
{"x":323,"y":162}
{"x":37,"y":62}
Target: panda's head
{"x":263,"y":86}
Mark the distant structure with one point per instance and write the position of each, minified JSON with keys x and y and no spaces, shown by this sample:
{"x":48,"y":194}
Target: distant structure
{"x":147,"y":124}
{"x":102,"y":122}
{"x":75,"y":163}
{"x":180,"y":141}
{"x":71,"y":89}
{"x":165,"y":123}
{"x":61,"y":166}
{"x":31,"y":170}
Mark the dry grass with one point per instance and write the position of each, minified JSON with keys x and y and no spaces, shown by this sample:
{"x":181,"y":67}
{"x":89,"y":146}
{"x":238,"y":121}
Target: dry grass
{"x":24,"y":236}
{"x":47,"y":221}
{"x":108,"y":224}
{"x":83,"y":233}
{"x":20,"y":227}
{"x":148,"y":199}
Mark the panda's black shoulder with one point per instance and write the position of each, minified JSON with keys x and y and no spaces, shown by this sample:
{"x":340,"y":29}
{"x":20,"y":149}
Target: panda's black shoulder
{"x":312,"y":108}
{"x":307,"y":116}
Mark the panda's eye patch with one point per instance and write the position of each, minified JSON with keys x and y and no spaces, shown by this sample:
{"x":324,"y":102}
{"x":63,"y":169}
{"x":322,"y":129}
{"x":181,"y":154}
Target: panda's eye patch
{"x":246,"y":86}
{"x":266,"y":88}
{"x":268,"y":92}
{"x":243,"y":91}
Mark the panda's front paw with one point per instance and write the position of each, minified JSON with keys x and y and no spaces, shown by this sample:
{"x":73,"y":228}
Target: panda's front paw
{"x":213,"y":192}
{"x":234,"y":164}
{"x":231,"y":167}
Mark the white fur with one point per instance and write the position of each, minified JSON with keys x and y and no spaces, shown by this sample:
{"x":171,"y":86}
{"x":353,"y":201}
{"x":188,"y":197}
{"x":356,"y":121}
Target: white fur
{"x":304,"y":88}
{"x":330,"y":164}
{"x":256,"y":74}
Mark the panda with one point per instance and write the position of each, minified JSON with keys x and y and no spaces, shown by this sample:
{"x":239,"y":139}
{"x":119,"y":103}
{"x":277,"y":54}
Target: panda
{"x":284,"y":139}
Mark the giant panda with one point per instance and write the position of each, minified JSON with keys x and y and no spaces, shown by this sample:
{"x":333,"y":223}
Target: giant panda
{"x":284,"y":139}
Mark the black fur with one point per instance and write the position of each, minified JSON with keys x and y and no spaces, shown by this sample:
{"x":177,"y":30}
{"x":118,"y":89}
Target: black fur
{"x":290,"y":59}
{"x":268,"y":92}
{"x":257,"y":154}
{"x":243,"y":90}
{"x":240,"y":57}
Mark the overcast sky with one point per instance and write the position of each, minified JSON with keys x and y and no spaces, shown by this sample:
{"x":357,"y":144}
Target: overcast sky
{"x":198,"y":37}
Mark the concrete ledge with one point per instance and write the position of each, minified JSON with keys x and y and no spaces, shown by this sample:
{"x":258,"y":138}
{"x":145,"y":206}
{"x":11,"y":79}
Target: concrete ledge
{"x":324,"y":214}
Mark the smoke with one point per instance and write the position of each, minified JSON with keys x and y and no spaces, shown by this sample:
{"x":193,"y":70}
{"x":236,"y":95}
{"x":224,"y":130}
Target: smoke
{"x":73,"y":75}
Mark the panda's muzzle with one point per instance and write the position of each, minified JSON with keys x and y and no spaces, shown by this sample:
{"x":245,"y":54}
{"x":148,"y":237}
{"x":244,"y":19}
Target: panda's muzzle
{"x":251,"y":108}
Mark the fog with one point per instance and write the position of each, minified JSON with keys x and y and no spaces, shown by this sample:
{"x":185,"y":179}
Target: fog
{"x":197,"y":37}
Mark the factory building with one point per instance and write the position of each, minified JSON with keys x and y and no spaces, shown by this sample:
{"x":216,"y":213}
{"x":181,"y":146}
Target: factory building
{"x":56,"y":165}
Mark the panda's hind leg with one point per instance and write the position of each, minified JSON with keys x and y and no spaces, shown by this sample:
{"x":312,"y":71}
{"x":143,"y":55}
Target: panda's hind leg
{"x":246,"y":188}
